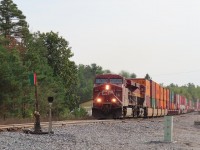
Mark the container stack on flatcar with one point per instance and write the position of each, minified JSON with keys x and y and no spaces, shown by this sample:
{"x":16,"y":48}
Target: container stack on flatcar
{"x":197,"y":105}
{"x":153,"y":97}
{"x":115,"y":96}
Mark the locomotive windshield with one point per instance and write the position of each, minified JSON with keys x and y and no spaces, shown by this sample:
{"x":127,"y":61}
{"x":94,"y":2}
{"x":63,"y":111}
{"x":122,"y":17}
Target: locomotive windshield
{"x":113,"y":81}
{"x":101,"y":81}
{"x":116,"y":81}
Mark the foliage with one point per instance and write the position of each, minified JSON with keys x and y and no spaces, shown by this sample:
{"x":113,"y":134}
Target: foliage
{"x":58,"y":54}
{"x":75,"y":113}
{"x":190,"y":90}
{"x":107,"y":71}
{"x":12,"y":20}
{"x":127,"y":74}
{"x":79,"y":112}
{"x":13,"y":80}
{"x":65,"y":114}
{"x":133,"y":75}
{"x":58,"y":51}
{"x":124,"y":74}
{"x":86,"y":75}
{"x":147,"y":76}
{"x":57,"y":80}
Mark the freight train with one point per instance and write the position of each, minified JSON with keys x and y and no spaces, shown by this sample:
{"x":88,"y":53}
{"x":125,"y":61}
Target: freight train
{"x":117,"y":97}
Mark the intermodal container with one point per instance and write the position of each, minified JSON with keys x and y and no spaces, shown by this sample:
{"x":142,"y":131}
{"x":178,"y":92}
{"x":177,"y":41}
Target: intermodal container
{"x":171,"y":96}
{"x":145,"y":83}
{"x":146,"y":92}
{"x":182,"y":100}
{"x":157,"y":95}
{"x":153,"y":103}
{"x":152,"y":89}
{"x":177,"y":101}
{"x":177,"y":98}
{"x":153,"y":94}
{"x":164,"y":104}
{"x":170,"y":99}
{"x":175,"y":106}
{"x":161,"y":93}
{"x":161,"y":104}
{"x":167,"y":104}
{"x":167,"y":94}
{"x":161,"y":98}
{"x":147,"y":99}
{"x":164,"y":94}
{"x":164,"y":98}
{"x":172,"y":106}
{"x":157,"y":91}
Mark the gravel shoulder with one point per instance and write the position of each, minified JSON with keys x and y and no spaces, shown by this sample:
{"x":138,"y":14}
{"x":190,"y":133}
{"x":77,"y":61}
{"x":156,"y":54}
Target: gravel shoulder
{"x":132,"y":134}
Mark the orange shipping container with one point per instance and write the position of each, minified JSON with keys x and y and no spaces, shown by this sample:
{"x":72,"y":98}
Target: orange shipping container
{"x":161,"y":93}
{"x":161,"y":104}
{"x":157,"y":103}
{"x":167,"y":96}
{"x":173,"y":107}
{"x":164,"y":94}
{"x":167,"y":105}
{"x":157,"y":91}
{"x":152,"y":90}
{"x":145,"y":83}
{"x":164,"y":104}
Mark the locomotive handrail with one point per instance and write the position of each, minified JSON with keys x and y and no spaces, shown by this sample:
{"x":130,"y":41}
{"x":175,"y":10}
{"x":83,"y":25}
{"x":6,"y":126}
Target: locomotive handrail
{"x":117,"y":99}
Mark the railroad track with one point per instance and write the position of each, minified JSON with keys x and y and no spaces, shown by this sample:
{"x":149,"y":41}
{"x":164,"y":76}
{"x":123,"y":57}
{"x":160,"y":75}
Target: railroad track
{"x":19,"y":127}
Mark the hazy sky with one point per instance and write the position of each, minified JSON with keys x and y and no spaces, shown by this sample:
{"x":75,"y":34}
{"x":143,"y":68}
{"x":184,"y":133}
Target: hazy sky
{"x":158,"y":37}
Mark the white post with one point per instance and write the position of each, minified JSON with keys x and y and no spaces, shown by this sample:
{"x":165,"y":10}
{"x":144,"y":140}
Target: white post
{"x":168,"y":129}
{"x":50,"y":121}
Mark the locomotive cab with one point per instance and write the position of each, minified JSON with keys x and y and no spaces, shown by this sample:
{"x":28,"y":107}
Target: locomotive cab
{"x":107,"y":96}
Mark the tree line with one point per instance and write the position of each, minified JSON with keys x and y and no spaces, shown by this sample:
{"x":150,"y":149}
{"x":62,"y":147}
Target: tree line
{"x":48,"y":54}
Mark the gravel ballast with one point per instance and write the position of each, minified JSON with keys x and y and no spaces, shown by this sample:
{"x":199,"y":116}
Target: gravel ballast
{"x":132,"y":134}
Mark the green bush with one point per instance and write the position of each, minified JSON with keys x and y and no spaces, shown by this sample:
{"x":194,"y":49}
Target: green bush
{"x":79,"y":112}
{"x":65,"y":114}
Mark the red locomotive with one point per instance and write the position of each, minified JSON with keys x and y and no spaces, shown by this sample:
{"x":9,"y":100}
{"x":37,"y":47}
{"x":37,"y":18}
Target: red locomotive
{"x":116,"y":97}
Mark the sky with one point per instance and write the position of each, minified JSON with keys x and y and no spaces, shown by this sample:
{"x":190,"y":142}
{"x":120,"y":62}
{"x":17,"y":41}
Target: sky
{"x":158,"y":37}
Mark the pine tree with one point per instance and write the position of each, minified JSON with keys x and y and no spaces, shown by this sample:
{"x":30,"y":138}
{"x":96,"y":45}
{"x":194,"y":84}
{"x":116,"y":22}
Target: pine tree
{"x":12,"y":20}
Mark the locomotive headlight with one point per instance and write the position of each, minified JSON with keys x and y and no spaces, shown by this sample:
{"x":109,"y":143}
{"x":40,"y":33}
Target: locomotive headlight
{"x":98,"y":100}
{"x":107,"y":87}
{"x":114,"y":100}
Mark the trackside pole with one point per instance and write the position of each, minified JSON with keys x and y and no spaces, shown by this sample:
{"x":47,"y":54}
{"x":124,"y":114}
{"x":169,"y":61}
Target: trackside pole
{"x":37,"y":126}
{"x":50,"y":100}
{"x":168,"y":128}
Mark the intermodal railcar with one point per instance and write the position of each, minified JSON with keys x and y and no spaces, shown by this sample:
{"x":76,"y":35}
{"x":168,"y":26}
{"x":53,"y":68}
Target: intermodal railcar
{"x":117,"y":97}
